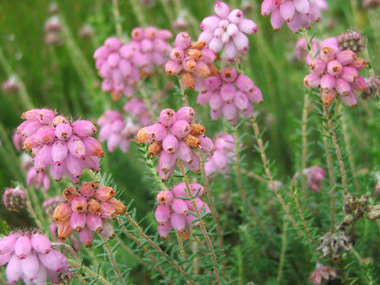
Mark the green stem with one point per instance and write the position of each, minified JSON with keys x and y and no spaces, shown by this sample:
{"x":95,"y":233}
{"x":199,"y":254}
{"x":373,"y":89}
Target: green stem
{"x":89,"y":272}
{"x":337,"y":150}
{"x":283,"y":249}
{"x":112,"y":260}
{"x":116,"y":14}
{"x":136,"y":6}
{"x":269,"y":173}
{"x":241,"y":189}
{"x":201,"y":223}
{"x":147,"y":101}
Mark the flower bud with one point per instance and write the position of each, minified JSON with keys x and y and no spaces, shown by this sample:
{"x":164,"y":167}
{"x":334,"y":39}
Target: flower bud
{"x":170,"y":144}
{"x":93,"y":207}
{"x":178,"y":222}
{"x":94,"y":223}
{"x":162,"y":214}
{"x":84,"y":128}
{"x":78,"y":221}
{"x":104,"y":193}
{"x":165,"y":197}
{"x":64,"y":230}
{"x":164,"y":230}
{"x":108,"y":230}
{"x":86,"y":236}
{"x":63,"y":131}
{"x":119,"y":207}
{"x":155,"y":148}
{"x":79,"y":204}
{"x":167,"y":117}
{"x":23,"y":247}
{"x":70,"y":193}
{"x":40,"y":243}
{"x":180,"y":128}
{"x":62,"y":213}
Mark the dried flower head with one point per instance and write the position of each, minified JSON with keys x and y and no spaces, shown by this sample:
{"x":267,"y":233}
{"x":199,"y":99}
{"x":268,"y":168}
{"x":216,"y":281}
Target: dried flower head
{"x":351,"y":40}
{"x":87,"y":210}
{"x":14,"y":199}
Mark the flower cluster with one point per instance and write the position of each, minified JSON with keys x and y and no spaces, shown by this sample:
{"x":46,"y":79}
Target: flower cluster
{"x":136,"y":107}
{"x":11,"y":86}
{"x":322,"y":272}
{"x":67,"y":147}
{"x":50,"y":205}
{"x":371,"y":4}
{"x":336,"y":72}
{"x":222,"y":157}
{"x":227,"y":28}
{"x":86,"y":211}
{"x":173,"y":210}
{"x":230,"y":93}
{"x":53,"y":29}
{"x":40,"y":180}
{"x":296,"y":13}
{"x":121,"y":65}
{"x":192,"y":61}
{"x":315,"y":176}
{"x":175,"y":135}
{"x":14,"y":199}
{"x":29,"y":255}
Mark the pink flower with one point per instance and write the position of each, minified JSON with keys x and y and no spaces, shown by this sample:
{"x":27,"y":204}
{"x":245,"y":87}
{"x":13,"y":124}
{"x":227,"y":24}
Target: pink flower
{"x":11,"y":86}
{"x":230,"y":94}
{"x":336,"y":72}
{"x":191,"y":61}
{"x":67,"y":147}
{"x":14,"y":199}
{"x":296,"y":13}
{"x":222,"y":157}
{"x":173,"y":211}
{"x":85,"y":211}
{"x":227,"y":28}
{"x":29,"y":255}
{"x":121,"y":65}
{"x":315,"y":176}
{"x":176,"y":136}
{"x":322,"y":272}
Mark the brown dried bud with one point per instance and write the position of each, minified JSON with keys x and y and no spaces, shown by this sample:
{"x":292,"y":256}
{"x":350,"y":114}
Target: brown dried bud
{"x":64,"y":230}
{"x":373,"y":215}
{"x":142,"y":136}
{"x":70,"y":193}
{"x":88,"y":189}
{"x":194,"y":54}
{"x":197,"y":130}
{"x":119,"y":207}
{"x":328,"y":97}
{"x":93,"y":207}
{"x":62,"y":213}
{"x":202,"y":69}
{"x":363,"y":200}
{"x":198,"y":45}
{"x":213,"y":70}
{"x":187,"y":79}
{"x":189,"y":64}
{"x":115,"y":95}
{"x":348,"y":220}
{"x":192,"y":141}
{"x":155,"y":148}
{"x":185,"y":235}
